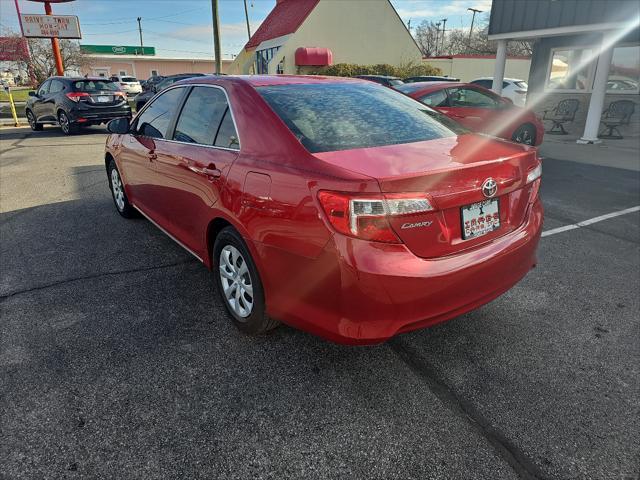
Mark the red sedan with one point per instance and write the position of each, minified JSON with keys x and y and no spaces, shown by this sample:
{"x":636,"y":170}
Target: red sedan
{"x":337,"y":206}
{"x":479,"y":109}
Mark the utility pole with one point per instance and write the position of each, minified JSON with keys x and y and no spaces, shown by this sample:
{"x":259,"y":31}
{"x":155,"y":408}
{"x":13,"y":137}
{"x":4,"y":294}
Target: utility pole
{"x":437,"y":34}
{"x":444,"y":29}
{"x":140,"y":30}
{"x":471,"y":28}
{"x":246,"y":16}
{"x":216,"y":36}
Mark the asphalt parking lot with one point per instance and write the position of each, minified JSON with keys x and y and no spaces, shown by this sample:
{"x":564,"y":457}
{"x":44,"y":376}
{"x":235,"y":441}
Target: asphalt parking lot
{"x":117,"y":361}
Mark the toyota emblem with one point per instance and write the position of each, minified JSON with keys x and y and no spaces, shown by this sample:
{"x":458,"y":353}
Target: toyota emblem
{"x":489,"y":187}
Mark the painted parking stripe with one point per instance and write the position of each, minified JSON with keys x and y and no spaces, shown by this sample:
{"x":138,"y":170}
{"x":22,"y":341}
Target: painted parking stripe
{"x":591,"y":221}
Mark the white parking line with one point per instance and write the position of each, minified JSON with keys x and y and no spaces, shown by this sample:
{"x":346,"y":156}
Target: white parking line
{"x":593,"y":220}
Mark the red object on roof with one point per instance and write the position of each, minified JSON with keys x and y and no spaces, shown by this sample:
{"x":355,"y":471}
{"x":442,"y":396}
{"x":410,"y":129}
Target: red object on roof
{"x":314,"y":56}
{"x":285,"y":18}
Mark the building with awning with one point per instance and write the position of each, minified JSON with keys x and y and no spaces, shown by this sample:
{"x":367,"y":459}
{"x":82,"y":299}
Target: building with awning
{"x":299,"y":36}
{"x":584,"y":51}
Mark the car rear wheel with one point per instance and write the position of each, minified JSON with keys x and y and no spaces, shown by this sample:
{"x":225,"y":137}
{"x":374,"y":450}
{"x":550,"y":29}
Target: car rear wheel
{"x":67,"y":127}
{"x":31,"y":118}
{"x":117,"y":192}
{"x":239,"y":284}
{"x":525,"y":134}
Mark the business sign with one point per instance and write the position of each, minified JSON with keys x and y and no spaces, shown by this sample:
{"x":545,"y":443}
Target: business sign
{"x":49,"y":26}
{"x":13,"y":49}
{"x":117,"y":50}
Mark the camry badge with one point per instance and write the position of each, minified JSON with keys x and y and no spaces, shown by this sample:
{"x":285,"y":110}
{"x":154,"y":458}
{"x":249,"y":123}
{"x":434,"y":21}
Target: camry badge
{"x":415,"y":225}
{"x":489,"y":187}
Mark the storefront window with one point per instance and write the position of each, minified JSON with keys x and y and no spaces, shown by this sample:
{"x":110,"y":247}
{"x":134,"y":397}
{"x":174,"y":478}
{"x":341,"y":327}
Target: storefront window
{"x":624,"y":74}
{"x":571,"y":69}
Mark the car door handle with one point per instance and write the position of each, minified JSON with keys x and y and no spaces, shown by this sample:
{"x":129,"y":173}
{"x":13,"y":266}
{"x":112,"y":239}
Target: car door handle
{"x":210,"y":171}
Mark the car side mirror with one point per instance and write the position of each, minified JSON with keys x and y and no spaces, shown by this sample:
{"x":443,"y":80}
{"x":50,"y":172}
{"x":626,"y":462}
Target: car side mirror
{"x":118,"y":125}
{"x":32,"y":93}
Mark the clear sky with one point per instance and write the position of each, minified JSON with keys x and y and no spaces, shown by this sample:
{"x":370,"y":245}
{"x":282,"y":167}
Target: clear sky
{"x":182,"y":28}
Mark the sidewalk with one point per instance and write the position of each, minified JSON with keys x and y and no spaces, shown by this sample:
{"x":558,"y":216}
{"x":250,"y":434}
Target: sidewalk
{"x":624,"y":153}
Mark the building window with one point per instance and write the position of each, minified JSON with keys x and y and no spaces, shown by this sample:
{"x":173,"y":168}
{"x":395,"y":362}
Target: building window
{"x":123,"y":73}
{"x":154,"y":73}
{"x":263,"y":57}
{"x":624,"y":73}
{"x":571,"y":70}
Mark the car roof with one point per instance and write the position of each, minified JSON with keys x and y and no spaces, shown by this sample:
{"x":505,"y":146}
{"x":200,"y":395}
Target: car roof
{"x":388,"y":77}
{"x":267,"y":80}
{"x":505,"y":79}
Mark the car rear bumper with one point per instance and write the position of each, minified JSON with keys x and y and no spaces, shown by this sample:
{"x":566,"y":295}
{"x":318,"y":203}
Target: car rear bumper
{"x":360,"y":292}
{"x":88,"y":114}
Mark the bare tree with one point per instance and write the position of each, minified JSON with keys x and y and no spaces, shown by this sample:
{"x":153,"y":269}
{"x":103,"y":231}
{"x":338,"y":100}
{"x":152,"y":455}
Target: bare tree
{"x":426,"y":37}
{"x":42,"y":64}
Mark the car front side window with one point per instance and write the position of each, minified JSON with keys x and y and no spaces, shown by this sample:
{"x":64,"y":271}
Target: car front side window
{"x":44,"y":88}
{"x":56,"y":86}
{"x":156,"y":119}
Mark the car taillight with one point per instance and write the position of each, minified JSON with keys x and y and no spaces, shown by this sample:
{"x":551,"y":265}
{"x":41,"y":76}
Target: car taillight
{"x":76,"y":96}
{"x":534,"y":177}
{"x":367,"y":217}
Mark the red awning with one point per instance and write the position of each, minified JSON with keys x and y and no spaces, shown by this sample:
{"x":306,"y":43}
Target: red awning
{"x":314,"y":56}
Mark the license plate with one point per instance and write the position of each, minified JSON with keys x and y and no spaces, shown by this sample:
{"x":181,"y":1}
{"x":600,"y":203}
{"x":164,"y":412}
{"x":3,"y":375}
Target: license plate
{"x":480,"y":218}
{"x":104,"y":99}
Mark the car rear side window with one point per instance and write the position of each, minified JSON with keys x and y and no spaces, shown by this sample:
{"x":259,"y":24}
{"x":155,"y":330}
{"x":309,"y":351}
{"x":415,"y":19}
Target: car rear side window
{"x":435,"y":99}
{"x":56,"y":86}
{"x":340,"y":116}
{"x":155,"y":120}
{"x":227,"y":136}
{"x":201,"y":115}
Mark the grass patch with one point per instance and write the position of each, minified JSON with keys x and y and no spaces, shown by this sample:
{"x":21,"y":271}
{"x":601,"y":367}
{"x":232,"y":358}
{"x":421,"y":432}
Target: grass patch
{"x":18,"y":95}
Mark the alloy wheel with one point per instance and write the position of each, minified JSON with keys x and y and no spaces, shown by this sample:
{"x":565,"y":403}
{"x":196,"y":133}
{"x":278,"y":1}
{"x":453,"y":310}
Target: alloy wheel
{"x":64,"y":122}
{"x":118,"y":190}
{"x":31,"y":119}
{"x":236,"y":281}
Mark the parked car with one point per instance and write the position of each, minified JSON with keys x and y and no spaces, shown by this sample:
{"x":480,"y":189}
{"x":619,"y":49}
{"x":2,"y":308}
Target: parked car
{"x":333,"y":205}
{"x":479,"y":109}
{"x":512,"y":88}
{"x":430,"y":78}
{"x":130,"y":85}
{"x":385,"y":80}
{"x":160,"y":85}
{"x":151,"y":81}
{"x":72,"y":102}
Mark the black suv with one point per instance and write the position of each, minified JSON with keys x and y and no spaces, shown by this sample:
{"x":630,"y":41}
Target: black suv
{"x":150,"y":89}
{"x":73,"y":102}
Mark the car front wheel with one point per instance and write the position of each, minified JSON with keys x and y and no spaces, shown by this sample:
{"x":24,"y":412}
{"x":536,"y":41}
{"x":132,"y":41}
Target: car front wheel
{"x":239,"y":284}
{"x":31,"y":118}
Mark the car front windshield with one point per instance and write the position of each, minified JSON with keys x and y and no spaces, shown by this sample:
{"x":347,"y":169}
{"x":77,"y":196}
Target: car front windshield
{"x":341,"y":116}
{"x":95,"y":86}
{"x":129,"y":79}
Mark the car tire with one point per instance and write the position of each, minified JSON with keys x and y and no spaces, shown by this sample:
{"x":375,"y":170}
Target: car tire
{"x":68,"y":128}
{"x":239,"y":284}
{"x":31,"y":118}
{"x":525,"y":134}
{"x":118,"y":193}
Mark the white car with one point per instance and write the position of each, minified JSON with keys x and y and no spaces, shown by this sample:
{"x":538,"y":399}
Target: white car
{"x":512,"y":88}
{"x":130,"y":85}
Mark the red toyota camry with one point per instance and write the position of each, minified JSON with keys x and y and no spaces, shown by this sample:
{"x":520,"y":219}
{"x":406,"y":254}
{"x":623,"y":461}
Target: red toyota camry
{"x":337,"y":206}
{"x":479,"y":110}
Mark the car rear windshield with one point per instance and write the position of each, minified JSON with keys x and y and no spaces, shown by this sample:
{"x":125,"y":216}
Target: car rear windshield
{"x":342,"y":116}
{"x":94,"y":85}
{"x":129,"y":79}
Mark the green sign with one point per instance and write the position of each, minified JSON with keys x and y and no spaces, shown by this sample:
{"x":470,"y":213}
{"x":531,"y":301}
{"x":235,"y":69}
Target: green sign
{"x":118,"y":50}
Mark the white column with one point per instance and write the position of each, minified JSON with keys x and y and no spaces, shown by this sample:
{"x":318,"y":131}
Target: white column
{"x":498,"y":72}
{"x":596,"y":103}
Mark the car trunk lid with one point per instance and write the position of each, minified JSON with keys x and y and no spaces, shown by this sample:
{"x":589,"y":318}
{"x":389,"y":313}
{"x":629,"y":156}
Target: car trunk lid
{"x":451,"y":171}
